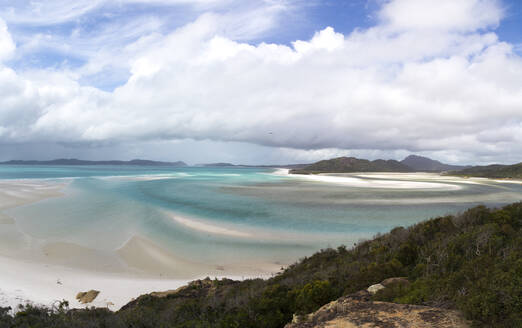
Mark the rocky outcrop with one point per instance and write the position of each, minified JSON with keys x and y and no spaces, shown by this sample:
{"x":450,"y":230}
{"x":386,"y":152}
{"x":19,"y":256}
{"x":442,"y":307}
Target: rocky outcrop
{"x":358,"y":310}
{"x":87,"y":297}
{"x":375,"y":288}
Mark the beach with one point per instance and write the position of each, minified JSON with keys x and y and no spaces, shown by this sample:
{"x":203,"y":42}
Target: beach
{"x":41,"y":272}
{"x":133,"y":234}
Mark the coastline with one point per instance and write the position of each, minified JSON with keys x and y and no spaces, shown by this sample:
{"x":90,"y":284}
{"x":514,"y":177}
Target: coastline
{"x":45,"y":272}
{"x":395,"y":180}
{"x":139,"y":267}
{"x":381,"y":180}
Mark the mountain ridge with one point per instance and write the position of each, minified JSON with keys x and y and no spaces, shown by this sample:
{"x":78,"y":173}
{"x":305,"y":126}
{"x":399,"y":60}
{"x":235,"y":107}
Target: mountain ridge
{"x":412,"y":163}
{"x":422,"y":163}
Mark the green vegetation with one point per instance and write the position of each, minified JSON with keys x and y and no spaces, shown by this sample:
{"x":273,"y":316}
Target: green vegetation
{"x":471,"y":262}
{"x":352,"y":164}
{"x":492,"y":171}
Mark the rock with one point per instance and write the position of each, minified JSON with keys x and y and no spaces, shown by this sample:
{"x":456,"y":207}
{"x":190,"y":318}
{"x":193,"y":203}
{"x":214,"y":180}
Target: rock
{"x":358,"y":310}
{"x":87,"y":297}
{"x":349,"y":313}
{"x":375,"y":288}
{"x":395,"y":281}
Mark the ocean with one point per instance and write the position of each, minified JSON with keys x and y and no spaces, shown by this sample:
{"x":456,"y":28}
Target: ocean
{"x":231,"y":215}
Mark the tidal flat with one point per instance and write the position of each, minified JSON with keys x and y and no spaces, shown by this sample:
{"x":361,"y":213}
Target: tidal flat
{"x":65,"y":230}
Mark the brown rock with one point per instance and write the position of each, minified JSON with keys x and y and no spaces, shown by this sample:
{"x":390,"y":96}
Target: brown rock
{"x":87,"y":297}
{"x":348,"y":313}
{"x":395,"y":280}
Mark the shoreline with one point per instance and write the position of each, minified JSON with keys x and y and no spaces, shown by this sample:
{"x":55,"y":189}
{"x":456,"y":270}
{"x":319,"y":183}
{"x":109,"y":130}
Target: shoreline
{"x":143,"y":268}
{"x":50,"y":271}
{"x":380,"y":180}
{"x":43,"y":272}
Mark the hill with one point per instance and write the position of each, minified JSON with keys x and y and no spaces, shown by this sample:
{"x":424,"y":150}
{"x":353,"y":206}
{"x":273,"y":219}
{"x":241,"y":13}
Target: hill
{"x":471,"y":262}
{"x":74,"y":161}
{"x":495,"y":171}
{"x":352,"y":164}
{"x":424,"y":164}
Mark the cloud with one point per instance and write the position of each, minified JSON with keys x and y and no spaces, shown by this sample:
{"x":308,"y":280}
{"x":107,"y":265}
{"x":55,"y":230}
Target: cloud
{"x":7,"y":46}
{"x":448,"y":15}
{"x":443,"y":85}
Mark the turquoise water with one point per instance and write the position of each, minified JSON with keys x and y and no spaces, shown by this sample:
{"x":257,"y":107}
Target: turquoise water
{"x":285,"y":217}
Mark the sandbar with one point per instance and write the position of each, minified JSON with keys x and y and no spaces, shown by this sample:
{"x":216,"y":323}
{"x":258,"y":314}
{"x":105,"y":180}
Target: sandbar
{"x":208,"y":227}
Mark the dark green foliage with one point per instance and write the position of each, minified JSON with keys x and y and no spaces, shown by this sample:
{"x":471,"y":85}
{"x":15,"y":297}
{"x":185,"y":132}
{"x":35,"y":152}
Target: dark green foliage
{"x":471,"y":262}
{"x":313,"y":295}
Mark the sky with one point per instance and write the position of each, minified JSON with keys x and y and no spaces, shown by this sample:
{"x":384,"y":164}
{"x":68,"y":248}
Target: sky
{"x":261,"y":81}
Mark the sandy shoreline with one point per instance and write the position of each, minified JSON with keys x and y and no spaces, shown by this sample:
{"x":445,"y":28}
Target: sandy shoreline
{"x":394,"y":180}
{"x":43,"y":272}
{"x":380,"y":180}
{"x":24,"y":282}
{"x":137,"y":268}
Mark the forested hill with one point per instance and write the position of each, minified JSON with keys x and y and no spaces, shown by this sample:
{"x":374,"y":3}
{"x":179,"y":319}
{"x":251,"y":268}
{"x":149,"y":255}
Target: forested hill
{"x":471,"y":262}
{"x":420,"y":163}
{"x":495,"y":171}
{"x":352,"y":164}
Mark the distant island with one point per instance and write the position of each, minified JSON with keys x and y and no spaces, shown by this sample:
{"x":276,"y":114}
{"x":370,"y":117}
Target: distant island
{"x":425,"y":164}
{"x":74,"y":161}
{"x":352,"y":164}
{"x":495,"y":171}
{"x":412,"y":163}
{"x":286,"y":166}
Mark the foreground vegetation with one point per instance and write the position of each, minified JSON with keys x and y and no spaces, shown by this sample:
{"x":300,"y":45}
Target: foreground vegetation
{"x":471,"y":262}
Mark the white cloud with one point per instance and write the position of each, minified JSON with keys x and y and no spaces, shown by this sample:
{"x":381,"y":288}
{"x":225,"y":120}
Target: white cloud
{"x":461,"y":15}
{"x":446,"y":87}
{"x":7,"y":46}
{"x":47,"y":12}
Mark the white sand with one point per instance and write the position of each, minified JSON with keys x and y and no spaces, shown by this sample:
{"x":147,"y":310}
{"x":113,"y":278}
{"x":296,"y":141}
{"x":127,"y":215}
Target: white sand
{"x":31,"y":274}
{"x":21,"y":192}
{"x":44,"y":273}
{"x":207,"y":227}
{"x":22,"y":282}
{"x":149,"y":258}
{"x":140,"y":267}
{"x":378,"y":180}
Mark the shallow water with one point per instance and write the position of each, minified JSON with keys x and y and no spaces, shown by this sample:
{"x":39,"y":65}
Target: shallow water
{"x":237,"y":214}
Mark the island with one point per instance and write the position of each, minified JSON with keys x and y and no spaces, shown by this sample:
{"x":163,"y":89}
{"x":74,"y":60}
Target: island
{"x":74,"y":161}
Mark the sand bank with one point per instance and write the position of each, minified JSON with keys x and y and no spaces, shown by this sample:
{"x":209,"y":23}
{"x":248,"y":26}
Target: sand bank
{"x":21,"y":192}
{"x":148,"y":258}
{"x":207,"y":227}
{"x":378,"y":180}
